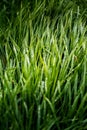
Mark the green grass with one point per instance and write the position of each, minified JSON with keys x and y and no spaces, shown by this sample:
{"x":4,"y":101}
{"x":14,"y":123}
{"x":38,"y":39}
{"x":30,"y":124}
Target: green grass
{"x":43,"y":67}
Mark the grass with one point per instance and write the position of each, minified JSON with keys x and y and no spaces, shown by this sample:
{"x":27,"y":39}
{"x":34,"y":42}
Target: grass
{"x":43,"y":67}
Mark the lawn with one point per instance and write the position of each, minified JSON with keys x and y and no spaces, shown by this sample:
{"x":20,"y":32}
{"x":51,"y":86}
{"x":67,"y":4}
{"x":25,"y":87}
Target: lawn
{"x":43,"y":65}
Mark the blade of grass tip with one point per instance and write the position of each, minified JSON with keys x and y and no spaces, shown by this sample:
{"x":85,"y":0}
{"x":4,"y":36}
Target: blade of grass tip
{"x":72,"y":62}
{"x":26,"y":66}
{"x":81,"y":106}
{"x":66,"y":62}
{"x":16,"y":110}
{"x":64,"y":68}
{"x":38,"y":8}
{"x":55,"y":74}
{"x":15,"y":44}
{"x":50,"y":124}
{"x":56,"y":92}
{"x":67,"y":92}
{"x":26,"y":108}
{"x":53,"y":111}
{"x":74,"y":107}
{"x":74,"y":69}
{"x":44,"y":64}
{"x":30,"y":111}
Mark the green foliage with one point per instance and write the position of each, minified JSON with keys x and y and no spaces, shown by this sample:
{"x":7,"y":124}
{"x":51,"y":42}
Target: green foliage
{"x":43,"y":66}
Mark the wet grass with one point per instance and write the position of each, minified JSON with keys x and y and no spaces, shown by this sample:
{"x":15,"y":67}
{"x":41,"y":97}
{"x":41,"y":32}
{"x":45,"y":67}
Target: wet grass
{"x":43,"y":68}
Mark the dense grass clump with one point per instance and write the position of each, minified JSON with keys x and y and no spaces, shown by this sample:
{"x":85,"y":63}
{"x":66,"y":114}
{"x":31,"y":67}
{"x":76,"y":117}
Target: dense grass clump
{"x":43,"y":66}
